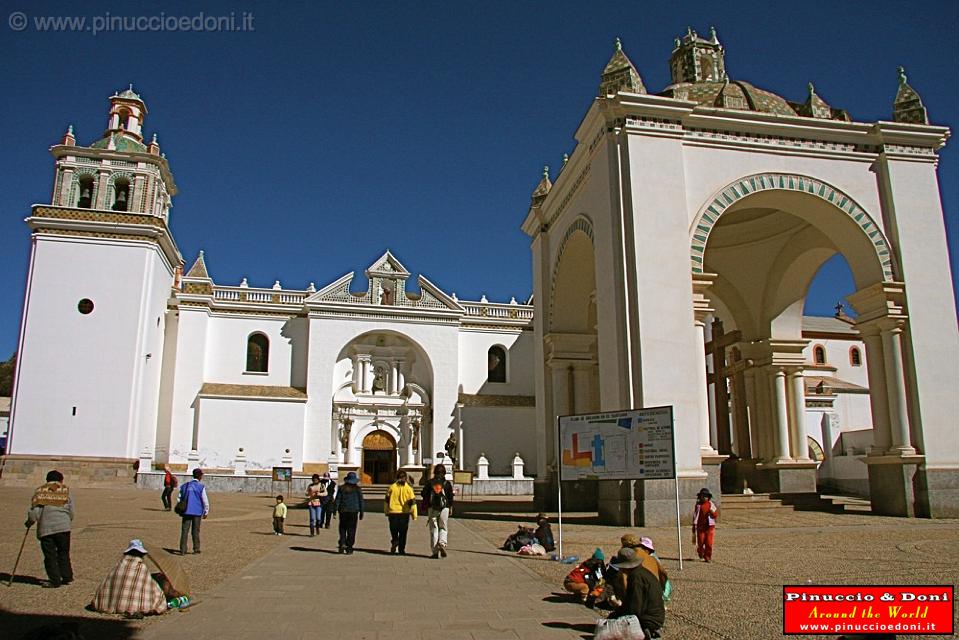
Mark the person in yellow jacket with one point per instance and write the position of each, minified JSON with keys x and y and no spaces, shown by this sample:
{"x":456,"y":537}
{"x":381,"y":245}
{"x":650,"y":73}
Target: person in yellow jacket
{"x":399,"y":505}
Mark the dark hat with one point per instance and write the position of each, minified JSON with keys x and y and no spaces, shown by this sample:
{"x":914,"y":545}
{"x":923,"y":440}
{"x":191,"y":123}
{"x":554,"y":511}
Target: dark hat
{"x":705,"y":492}
{"x":626,"y":558}
{"x":351,"y":478}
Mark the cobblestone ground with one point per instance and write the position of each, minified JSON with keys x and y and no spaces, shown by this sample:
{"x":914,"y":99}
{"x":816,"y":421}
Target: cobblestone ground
{"x":251,"y":584}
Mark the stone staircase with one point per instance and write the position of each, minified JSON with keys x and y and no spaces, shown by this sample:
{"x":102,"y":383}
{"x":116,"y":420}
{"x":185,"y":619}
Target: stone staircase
{"x":793,"y":502}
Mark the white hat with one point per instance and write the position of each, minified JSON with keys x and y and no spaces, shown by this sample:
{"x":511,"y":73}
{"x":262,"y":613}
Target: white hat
{"x":136,"y":545}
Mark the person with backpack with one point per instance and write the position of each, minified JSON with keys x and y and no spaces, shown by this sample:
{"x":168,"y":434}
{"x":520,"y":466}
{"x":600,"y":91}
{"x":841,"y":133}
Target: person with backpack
{"x":586,"y":580}
{"x":704,"y":524}
{"x":169,"y":484}
{"x":437,"y":497}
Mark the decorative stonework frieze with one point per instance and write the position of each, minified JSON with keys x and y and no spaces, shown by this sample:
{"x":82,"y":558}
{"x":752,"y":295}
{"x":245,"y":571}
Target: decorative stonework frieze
{"x":571,"y":192}
{"x":711,"y":213}
{"x":490,"y":400}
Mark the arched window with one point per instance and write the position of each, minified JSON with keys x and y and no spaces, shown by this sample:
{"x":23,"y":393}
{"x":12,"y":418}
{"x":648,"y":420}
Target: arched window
{"x":496,"y":364}
{"x":819,"y":354}
{"x":85,"y":201}
{"x":121,"y":194}
{"x":257,"y":353}
{"x":124,"y":119}
{"x":855,"y":357}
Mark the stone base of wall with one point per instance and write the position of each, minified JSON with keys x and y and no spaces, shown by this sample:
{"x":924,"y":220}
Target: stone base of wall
{"x":498,"y":487}
{"x":31,"y":471}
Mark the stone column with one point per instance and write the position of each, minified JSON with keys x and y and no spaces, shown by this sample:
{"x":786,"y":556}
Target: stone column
{"x":66,"y":181}
{"x":482,"y":468}
{"x":347,"y":441}
{"x":752,"y":413}
{"x":406,"y":442}
{"x":581,"y":388}
{"x":780,"y":415}
{"x":416,"y":426}
{"x":459,"y":437}
{"x":367,"y":374}
{"x":336,"y":450}
{"x":875,"y":367}
{"x":896,"y":390}
{"x":400,"y":376}
{"x":101,"y":197}
{"x":797,"y":402}
{"x":394,"y":375}
{"x":561,"y":399}
{"x":705,"y":398}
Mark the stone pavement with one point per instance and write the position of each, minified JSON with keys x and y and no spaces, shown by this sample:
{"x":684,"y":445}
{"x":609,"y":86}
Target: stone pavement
{"x":304,"y":589}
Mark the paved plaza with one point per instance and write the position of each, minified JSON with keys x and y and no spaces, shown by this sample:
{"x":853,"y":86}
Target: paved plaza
{"x":250,"y":584}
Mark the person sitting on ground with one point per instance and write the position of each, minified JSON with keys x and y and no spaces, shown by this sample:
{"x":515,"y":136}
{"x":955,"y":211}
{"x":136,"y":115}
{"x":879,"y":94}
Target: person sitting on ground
{"x":586,"y":580}
{"x":650,"y":562}
{"x":516,"y":541}
{"x":643,"y":596}
{"x":544,"y":533}
{"x":129,"y":588}
{"x":646,"y":544}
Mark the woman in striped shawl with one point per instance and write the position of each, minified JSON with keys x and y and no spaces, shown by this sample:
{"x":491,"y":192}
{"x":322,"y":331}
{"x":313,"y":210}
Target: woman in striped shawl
{"x":129,"y":588}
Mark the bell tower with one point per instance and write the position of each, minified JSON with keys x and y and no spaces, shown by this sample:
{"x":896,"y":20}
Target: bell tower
{"x":696,"y":59}
{"x":102,"y":266}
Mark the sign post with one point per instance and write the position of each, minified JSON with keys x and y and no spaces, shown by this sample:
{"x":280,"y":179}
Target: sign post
{"x":283,"y":474}
{"x":637,"y":444}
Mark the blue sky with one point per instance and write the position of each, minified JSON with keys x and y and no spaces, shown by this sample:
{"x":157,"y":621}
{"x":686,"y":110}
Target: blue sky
{"x":305,"y":148}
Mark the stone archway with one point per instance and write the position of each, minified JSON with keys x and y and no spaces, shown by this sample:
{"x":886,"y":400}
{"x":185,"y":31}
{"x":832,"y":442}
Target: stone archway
{"x":379,"y":458}
{"x":758,"y":244}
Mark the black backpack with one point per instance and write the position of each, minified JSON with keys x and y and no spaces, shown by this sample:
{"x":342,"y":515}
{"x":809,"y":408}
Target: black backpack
{"x":438,"y":499}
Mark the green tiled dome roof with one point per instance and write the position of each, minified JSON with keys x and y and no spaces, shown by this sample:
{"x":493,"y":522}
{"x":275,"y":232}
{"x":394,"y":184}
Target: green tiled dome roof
{"x":120,"y":143}
{"x":732,"y":95}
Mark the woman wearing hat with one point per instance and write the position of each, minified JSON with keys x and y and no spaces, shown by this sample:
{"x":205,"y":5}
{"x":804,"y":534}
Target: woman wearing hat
{"x":643,"y":596}
{"x":349,"y":504}
{"x":129,"y":588}
{"x":704,"y":524}
{"x":586,"y":580}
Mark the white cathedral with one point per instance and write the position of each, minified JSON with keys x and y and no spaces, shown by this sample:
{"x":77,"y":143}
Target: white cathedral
{"x":671,"y":259}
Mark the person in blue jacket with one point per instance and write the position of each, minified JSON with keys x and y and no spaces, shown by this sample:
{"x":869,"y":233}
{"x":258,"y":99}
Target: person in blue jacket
{"x":196,"y":508}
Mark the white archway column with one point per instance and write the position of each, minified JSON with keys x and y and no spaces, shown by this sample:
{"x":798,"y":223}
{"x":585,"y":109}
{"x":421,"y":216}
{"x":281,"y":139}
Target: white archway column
{"x":701,"y":311}
{"x":896,"y":389}
{"x":797,"y":403}
{"x":406,"y":441}
{"x":876,"y":370}
{"x":780,"y":414}
{"x":459,"y":436}
{"x":348,"y":438}
{"x":400,"y":376}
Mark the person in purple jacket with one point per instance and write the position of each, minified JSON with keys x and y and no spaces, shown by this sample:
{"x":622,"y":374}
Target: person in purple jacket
{"x":193,"y":495}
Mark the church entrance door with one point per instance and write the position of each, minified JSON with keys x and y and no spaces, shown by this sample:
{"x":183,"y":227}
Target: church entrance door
{"x":379,"y":458}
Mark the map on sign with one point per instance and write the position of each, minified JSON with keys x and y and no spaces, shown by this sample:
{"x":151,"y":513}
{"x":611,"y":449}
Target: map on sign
{"x":618,"y":445}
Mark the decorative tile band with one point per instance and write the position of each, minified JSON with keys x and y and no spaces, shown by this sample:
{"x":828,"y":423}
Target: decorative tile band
{"x":710,"y":214}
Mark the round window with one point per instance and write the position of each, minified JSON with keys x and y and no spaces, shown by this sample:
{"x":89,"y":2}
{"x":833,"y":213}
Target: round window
{"x":85,"y":306}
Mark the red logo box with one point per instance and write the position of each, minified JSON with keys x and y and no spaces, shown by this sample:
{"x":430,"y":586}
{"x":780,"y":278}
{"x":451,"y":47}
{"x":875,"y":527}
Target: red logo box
{"x":842,"y":609}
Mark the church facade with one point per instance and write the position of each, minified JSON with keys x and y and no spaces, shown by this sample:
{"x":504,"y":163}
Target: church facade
{"x":175,"y":367}
{"x":714,"y":200}
{"x":671,"y":259}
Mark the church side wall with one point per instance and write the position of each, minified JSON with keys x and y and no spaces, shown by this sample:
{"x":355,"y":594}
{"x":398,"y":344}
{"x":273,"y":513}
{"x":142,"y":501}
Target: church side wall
{"x":265,"y":428}
{"x":77,"y":377}
{"x":474,"y":347}
{"x":227,"y":345}
{"x":191,"y":348}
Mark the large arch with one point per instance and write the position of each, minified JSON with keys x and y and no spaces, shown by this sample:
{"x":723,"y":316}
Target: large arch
{"x":761,"y":240}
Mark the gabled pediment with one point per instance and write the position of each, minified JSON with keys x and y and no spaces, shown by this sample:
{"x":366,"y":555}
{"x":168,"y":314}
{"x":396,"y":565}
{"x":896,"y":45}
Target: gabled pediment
{"x":387,"y":266}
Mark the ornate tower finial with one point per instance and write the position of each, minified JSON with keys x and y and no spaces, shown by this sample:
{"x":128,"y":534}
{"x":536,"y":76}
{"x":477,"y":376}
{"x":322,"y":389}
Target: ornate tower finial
{"x":70,"y":130}
{"x":676,"y":43}
{"x":907,"y":107}
{"x":696,"y":59}
{"x":713,"y":36}
{"x":565,"y":159}
{"x":546,"y":171}
{"x":620,"y":74}
{"x":154,"y":140}
{"x":690,"y":33}
{"x":542,"y":189}
{"x":811,"y":88}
